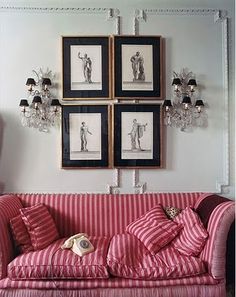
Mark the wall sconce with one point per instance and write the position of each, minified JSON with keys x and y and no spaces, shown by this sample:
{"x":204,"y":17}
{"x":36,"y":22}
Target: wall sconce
{"x":186,"y":110}
{"x":43,"y":112}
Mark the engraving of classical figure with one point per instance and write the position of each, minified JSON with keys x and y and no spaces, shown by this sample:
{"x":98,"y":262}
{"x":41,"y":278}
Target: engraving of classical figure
{"x":135,"y":134}
{"x":137,"y":63}
{"x":84,"y":131}
{"x":87,"y":67}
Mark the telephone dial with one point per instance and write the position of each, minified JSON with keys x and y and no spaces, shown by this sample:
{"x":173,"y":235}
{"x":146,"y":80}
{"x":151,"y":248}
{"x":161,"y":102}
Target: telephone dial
{"x":79,"y":244}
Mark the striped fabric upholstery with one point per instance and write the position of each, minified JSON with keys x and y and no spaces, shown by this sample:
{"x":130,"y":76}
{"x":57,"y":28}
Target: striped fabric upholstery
{"x":163,"y":291}
{"x":54,"y":262}
{"x":40,"y":225}
{"x":215,"y":249}
{"x":127,"y":257}
{"x":9,"y":208}
{"x":113,"y":282}
{"x":108,"y":215}
{"x":99,"y":214}
{"x":154,"y":229}
{"x":193,"y":236}
{"x":21,"y":235}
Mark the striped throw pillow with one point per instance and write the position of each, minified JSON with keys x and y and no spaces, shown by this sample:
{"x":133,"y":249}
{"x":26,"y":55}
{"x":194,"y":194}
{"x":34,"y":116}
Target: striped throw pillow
{"x":20,"y":234}
{"x":154,"y":229}
{"x":40,"y":225}
{"x":193,"y":236}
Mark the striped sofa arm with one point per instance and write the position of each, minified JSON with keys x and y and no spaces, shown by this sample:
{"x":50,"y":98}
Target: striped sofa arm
{"x":214,"y":252}
{"x":9,"y":207}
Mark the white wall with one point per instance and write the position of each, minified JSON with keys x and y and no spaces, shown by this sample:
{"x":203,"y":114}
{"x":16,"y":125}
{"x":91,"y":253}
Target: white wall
{"x":202,"y":160}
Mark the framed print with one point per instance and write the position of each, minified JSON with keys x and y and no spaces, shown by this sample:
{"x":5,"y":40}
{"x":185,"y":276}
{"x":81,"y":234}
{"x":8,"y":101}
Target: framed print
{"x":138,"y":67}
{"x":86,"y":67}
{"x":137,"y":135}
{"x":85,"y":136}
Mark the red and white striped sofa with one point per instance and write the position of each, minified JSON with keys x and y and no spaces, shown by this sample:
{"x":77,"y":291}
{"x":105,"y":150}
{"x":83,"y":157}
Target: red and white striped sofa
{"x":103,"y":214}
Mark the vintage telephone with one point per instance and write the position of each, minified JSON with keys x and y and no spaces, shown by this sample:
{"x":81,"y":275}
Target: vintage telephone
{"x":79,"y":244}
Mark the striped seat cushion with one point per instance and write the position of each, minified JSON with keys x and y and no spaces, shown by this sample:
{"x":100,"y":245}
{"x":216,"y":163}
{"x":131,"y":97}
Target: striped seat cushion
{"x":154,"y":229}
{"x":21,"y":235}
{"x":193,"y":236}
{"x":54,"y":262}
{"x":128,"y":258}
{"x":40,"y":225}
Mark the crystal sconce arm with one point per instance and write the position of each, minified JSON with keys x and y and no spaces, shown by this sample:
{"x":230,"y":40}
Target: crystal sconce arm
{"x":43,"y":112}
{"x":185,"y":111}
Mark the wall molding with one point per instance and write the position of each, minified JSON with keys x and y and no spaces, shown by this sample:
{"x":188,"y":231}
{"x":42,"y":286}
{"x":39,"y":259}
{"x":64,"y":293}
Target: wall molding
{"x":54,"y":9}
{"x":203,"y":12}
{"x":115,"y":189}
{"x":140,"y":16}
{"x":219,"y":16}
{"x":139,"y":187}
{"x":112,"y":14}
{"x":223,"y":186}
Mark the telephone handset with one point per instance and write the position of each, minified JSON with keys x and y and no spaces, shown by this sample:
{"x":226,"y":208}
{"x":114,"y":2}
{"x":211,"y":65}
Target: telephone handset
{"x":79,"y":244}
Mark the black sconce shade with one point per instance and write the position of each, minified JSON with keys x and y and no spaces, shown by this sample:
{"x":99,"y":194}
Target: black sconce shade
{"x":187,"y":100}
{"x":55,"y":102}
{"x":24,"y":103}
{"x":176,"y":81}
{"x":37,"y":99}
{"x":192,"y":82}
{"x":199,"y":103}
{"x":30,"y":81}
{"x":167,"y":102}
{"x":46,"y":81}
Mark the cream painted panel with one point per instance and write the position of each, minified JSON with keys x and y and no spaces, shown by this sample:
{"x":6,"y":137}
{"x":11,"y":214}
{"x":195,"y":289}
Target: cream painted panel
{"x":30,"y":160}
{"x":192,"y":42}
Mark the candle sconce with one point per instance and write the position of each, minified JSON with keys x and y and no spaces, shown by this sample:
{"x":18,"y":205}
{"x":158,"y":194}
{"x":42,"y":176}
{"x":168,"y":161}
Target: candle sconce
{"x":186,"y":110}
{"x":42,"y":112}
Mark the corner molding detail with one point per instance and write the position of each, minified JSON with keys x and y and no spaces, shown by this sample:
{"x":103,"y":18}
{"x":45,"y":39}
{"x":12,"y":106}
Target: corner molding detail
{"x":139,"y":15}
{"x":114,"y":14}
{"x":139,"y":188}
{"x":116,"y":181}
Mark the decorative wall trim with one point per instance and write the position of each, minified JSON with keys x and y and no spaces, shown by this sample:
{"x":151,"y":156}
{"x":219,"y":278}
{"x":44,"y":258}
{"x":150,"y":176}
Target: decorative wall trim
{"x":139,"y":16}
{"x":116,"y":181}
{"x":54,"y":9}
{"x":139,"y":188}
{"x":222,"y":186}
{"x":220,"y":16}
{"x":203,"y":12}
{"x":111,"y":13}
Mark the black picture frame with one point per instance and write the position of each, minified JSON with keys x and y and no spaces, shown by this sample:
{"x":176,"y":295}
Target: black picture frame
{"x":86,"y":67}
{"x":138,"y":67}
{"x":85,"y":136}
{"x":137,"y":144}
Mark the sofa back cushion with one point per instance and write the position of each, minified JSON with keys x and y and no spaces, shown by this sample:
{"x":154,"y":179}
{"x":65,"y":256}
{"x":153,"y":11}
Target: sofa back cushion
{"x":103,"y":214}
